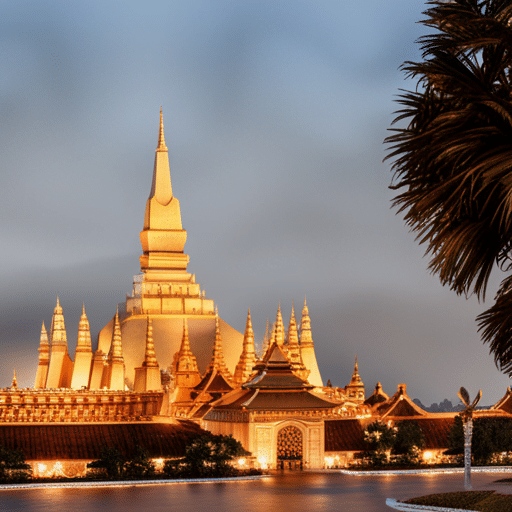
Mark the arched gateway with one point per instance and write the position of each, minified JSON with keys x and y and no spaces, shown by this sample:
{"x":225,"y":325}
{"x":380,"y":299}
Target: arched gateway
{"x":289,"y":448}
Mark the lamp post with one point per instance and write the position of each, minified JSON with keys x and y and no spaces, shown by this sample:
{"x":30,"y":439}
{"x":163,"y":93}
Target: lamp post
{"x":467,"y":417}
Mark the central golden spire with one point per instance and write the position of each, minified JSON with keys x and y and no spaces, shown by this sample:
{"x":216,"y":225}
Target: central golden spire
{"x":163,"y":237}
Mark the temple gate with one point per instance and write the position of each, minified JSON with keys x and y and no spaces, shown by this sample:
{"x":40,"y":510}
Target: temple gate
{"x":289,"y":448}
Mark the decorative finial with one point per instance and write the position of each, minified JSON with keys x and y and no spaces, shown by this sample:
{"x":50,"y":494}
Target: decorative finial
{"x":14,"y":381}
{"x":161,"y":139}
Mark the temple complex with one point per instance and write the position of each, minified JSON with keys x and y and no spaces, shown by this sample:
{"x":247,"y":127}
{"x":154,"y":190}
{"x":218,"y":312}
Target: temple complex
{"x":166,"y":357}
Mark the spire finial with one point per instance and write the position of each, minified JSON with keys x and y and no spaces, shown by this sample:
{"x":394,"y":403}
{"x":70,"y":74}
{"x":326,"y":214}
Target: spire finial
{"x":14,"y":381}
{"x":161,"y":139}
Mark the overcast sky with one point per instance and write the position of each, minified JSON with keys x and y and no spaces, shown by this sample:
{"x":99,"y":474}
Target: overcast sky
{"x":275,"y":114}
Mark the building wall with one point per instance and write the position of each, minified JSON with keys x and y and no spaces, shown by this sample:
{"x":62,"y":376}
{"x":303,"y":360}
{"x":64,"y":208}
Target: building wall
{"x":263,"y":441}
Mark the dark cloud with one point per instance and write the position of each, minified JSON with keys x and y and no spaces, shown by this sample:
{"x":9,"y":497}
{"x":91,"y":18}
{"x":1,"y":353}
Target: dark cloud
{"x":275,"y":115}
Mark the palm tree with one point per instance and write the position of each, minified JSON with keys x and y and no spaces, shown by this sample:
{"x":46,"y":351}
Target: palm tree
{"x":452,"y":162}
{"x":467,"y":418}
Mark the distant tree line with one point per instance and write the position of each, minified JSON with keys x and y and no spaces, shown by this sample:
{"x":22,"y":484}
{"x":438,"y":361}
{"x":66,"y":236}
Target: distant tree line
{"x":491,"y":442}
{"x":206,"y":456}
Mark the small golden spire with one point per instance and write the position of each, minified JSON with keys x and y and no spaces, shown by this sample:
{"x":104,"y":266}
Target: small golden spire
{"x":356,"y":378}
{"x":14,"y":381}
{"x":161,"y":139}
{"x":305,"y":326}
{"x":116,"y":349}
{"x":217,"y":362}
{"x":187,"y":362}
{"x":279,"y":330}
{"x":247,"y":359}
{"x":266,"y":342}
{"x":84,"y":333}
{"x":150,"y":355}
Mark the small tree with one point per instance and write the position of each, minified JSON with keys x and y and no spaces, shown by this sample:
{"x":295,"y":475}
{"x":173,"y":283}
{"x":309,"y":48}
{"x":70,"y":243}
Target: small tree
{"x":13,"y":465}
{"x":225,"y":449}
{"x":110,"y":463}
{"x":379,"y":438}
{"x":140,"y":465}
{"x":456,"y":437}
{"x":208,"y":455}
{"x":409,"y":441}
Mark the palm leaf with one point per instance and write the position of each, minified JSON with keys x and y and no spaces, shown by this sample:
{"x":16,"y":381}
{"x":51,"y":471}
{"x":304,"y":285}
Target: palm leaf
{"x":451,"y":148}
{"x":464,"y":396}
{"x":477,"y":399}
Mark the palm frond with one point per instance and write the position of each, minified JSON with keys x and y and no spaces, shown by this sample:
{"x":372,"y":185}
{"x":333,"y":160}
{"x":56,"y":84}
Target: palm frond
{"x":464,"y":396}
{"x":451,"y":152}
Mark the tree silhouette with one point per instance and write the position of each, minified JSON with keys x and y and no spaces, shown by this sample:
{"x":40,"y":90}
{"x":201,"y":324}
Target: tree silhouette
{"x":452,"y":162}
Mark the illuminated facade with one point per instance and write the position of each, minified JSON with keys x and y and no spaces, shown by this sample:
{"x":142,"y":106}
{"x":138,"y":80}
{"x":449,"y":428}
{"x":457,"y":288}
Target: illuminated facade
{"x":167,"y":357}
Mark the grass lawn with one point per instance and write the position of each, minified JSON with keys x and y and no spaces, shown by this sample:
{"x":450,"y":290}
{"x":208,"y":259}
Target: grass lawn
{"x":483,"y":501}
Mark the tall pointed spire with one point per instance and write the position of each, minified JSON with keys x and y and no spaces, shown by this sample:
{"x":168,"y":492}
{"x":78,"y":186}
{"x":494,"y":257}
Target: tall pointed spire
{"x":115,"y":361}
{"x":217,"y":361}
{"x":163,"y":237}
{"x":307,"y":348}
{"x":84,"y":333}
{"x":293,"y":353}
{"x":279,"y":328}
{"x":44,"y":360}
{"x":187,"y":362}
{"x":14,"y":383}
{"x":186,"y":371}
{"x":150,"y":355}
{"x":266,"y":341}
{"x":161,"y":188}
{"x":83,"y":354}
{"x":116,"y":349}
{"x":244,"y":368}
{"x":147,"y":376}
{"x":61,"y":366}
{"x":355,"y":389}
{"x":58,"y":329}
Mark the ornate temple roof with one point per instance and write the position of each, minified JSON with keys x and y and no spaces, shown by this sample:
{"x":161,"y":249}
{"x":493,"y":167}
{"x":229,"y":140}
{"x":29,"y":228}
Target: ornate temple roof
{"x":275,"y":387}
{"x":377,"y":397}
{"x":505,"y":403}
{"x":400,"y":405}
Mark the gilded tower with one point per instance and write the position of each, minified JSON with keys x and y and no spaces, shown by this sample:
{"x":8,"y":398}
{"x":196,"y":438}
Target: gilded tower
{"x":355,"y":390}
{"x":114,"y":369}
{"x":164,"y":291}
{"x":83,"y":354}
{"x":307,"y":348}
{"x":293,"y":349}
{"x":147,"y":376}
{"x":186,"y":371}
{"x":44,"y":360}
{"x":244,"y":368}
{"x":61,"y":366}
